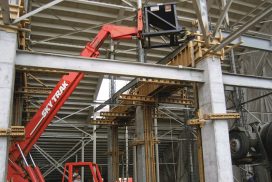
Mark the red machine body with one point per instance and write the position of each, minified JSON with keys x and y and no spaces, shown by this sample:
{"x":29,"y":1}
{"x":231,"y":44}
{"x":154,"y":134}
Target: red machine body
{"x":65,"y":87}
{"x":70,"y":167}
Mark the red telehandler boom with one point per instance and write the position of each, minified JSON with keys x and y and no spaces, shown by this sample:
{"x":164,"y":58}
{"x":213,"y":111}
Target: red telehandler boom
{"x":36,"y":127}
{"x":18,"y":172}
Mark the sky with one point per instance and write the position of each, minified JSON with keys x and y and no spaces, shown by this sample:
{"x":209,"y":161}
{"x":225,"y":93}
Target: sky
{"x":104,"y":92}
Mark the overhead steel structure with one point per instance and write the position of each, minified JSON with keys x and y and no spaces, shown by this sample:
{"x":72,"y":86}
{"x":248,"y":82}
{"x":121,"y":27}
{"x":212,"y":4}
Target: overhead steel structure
{"x":62,"y":27}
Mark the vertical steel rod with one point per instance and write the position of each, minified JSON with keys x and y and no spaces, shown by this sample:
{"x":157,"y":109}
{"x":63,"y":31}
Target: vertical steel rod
{"x":134,"y":164}
{"x":157,"y":147}
{"x":94,"y":139}
{"x":34,"y":164}
{"x":127,"y":160}
{"x":22,"y":154}
{"x":82,"y":158}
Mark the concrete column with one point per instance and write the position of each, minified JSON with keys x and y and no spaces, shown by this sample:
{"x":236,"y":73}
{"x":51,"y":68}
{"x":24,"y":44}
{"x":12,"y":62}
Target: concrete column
{"x":145,"y":149}
{"x":8,"y":45}
{"x":113,"y":154}
{"x":141,"y":168}
{"x":215,"y":134}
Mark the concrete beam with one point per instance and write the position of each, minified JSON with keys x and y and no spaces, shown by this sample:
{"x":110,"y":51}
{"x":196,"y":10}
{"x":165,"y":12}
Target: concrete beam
{"x":106,"y":66}
{"x":247,"y":81}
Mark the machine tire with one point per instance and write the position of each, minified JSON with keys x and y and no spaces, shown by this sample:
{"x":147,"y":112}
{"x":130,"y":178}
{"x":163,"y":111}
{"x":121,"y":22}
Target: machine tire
{"x":243,"y":147}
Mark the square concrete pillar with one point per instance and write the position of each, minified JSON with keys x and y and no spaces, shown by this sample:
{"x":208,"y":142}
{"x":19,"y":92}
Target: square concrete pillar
{"x":8,"y":45}
{"x":215,"y":134}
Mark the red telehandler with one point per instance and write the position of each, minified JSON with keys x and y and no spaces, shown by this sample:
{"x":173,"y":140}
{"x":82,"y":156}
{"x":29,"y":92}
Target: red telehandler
{"x":23,"y":172}
{"x":161,"y":17}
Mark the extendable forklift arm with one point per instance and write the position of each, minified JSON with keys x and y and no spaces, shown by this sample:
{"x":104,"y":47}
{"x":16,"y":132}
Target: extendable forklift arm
{"x":39,"y":123}
{"x":116,"y":32}
{"x":46,"y":113}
